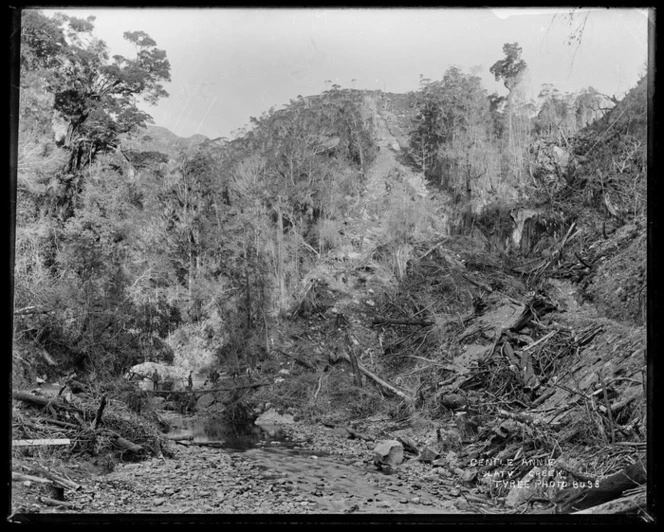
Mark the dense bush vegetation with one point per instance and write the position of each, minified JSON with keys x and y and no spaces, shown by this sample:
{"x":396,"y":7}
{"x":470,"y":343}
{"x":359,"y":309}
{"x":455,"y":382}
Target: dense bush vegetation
{"x":125,"y":253}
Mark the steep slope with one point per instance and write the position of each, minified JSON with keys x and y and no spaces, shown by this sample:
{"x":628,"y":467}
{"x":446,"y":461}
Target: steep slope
{"x":442,"y":325}
{"x":489,"y":373}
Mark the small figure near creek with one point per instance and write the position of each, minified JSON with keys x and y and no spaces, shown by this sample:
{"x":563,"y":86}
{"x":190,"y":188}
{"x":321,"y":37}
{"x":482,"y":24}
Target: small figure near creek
{"x":155,"y":380}
{"x":190,"y":382}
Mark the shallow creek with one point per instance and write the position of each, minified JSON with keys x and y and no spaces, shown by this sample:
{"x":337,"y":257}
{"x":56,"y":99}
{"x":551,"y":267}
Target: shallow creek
{"x":297,"y":469}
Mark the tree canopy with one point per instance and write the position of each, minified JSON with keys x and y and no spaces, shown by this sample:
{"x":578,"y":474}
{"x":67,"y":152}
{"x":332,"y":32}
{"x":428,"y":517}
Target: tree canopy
{"x":95,"y":95}
{"x":509,"y":68}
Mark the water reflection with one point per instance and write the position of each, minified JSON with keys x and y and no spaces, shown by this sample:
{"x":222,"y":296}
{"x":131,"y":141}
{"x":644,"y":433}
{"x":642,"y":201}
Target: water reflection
{"x":235,"y":438}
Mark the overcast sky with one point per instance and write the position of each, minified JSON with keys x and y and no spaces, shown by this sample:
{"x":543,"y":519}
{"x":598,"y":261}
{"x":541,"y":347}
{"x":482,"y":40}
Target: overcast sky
{"x":228,"y":65}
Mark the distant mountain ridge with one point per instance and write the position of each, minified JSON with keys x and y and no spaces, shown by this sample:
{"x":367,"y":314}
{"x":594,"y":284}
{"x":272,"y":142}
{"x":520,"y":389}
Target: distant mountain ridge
{"x":161,"y":139}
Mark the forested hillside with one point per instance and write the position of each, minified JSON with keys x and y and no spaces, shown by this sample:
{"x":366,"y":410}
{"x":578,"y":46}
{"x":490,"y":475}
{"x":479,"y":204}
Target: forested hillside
{"x":465,"y":269}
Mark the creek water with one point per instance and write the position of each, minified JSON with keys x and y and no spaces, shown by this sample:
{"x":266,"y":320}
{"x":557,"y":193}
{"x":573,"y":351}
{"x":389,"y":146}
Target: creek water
{"x":234,"y":438}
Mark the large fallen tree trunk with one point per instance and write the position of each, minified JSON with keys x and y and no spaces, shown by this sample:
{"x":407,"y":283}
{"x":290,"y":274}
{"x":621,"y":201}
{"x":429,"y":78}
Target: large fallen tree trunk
{"x":380,"y":382}
{"x":20,"y":477}
{"x":624,"y":505}
{"x":126,"y":445}
{"x":207,"y":390}
{"x":43,"y":401}
{"x":609,"y":488}
{"x":391,"y":321}
{"x":41,"y":442}
{"x":53,"y":502}
{"x":188,"y":443}
{"x":179,"y":438}
{"x":51,"y":478}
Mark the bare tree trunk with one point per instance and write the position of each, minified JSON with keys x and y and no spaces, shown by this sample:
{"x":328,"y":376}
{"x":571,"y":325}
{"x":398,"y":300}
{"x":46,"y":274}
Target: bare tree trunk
{"x":281,"y":274}
{"x":267,"y":335}
{"x":247,"y":287}
{"x":190,"y":280}
{"x":357,"y":375}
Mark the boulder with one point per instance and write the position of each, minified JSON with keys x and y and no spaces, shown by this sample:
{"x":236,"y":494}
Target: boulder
{"x":205,"y":401}
{"x":388,"y":452}
{"x":272,"y":417}
{"x":428,"y":455}
{"x":409,"y":444}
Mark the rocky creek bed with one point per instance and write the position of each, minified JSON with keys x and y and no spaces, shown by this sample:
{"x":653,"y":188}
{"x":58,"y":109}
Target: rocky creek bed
{"x":306,"y":469}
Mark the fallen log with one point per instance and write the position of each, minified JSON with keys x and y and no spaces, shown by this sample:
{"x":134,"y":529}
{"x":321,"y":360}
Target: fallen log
{"x":479,"y":284}
{"x":40,"y":443}
{"x":59,"y":423}
{"x":540,"y":341}
{"x":53,"y":502}
{"x":20,"y":477}
{"x":33,"y":309}
{"x":54,"y":478}
{"x":127,"y":446}
{"x":124,"y":444}
{"x":208,"y":390}
{"x":434,"y":248}
{"x":43,"y":401}
{"x":63,"y":482}
{"x":608,"y":489}
{"x":395,"y":321}
{"x":179,"y":438}
{"x":380,"y":382}
{"x":215,"y":444}
{"x":624,"y":505}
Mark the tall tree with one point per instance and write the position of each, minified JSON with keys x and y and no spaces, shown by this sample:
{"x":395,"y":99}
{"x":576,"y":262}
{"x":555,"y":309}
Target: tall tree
{"x":452,"y":131}
{"x":95,"y":96}
{"x":511,"y":70}
{"x":511,"y":67}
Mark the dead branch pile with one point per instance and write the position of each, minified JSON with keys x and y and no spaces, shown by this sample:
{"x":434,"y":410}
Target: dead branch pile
{"x":93,"y":425}
{"x":529,"y":390}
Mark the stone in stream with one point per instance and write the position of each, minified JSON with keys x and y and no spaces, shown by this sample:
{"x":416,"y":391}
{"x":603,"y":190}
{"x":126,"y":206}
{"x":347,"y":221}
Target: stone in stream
{"x":388,"y":453}
{"x":272,"y":417}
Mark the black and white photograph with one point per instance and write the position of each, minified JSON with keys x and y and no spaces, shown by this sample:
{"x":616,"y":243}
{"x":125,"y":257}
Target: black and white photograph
{"x":336,"y":264}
